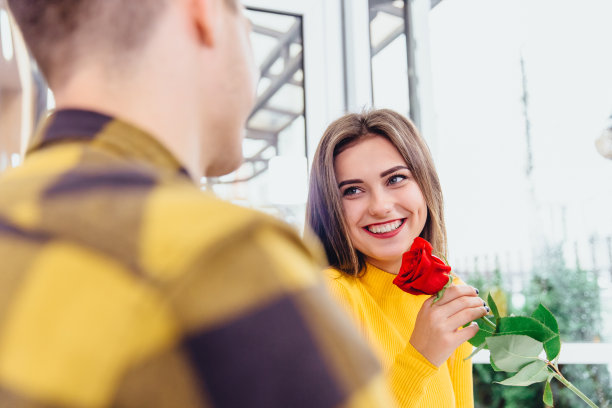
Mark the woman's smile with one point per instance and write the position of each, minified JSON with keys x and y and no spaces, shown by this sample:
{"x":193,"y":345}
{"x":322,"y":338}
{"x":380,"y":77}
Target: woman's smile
{"x":385,"y":229}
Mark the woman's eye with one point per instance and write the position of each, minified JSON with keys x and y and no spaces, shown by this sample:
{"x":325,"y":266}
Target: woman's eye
{"x":350,"y":191}
{"x":396,"y":178}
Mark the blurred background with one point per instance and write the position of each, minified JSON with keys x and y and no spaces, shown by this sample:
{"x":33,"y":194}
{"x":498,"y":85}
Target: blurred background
{"x":514,"y":98}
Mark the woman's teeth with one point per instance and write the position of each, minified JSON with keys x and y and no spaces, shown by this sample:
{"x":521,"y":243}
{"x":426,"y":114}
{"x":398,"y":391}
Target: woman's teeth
{"x":381,"y":229}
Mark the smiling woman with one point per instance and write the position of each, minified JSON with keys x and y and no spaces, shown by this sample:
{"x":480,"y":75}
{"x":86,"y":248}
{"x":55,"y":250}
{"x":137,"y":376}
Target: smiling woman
{"x":373,"y":191}
{"x":326,"y":205}
{"x":383,"y":204}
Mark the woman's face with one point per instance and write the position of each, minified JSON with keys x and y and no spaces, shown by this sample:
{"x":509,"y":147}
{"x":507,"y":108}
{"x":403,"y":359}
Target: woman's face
{"x":383,"y":204}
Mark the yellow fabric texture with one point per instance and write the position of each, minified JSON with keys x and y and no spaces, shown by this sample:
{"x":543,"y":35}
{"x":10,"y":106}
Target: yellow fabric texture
{"x":386,"y":316}
{"x":122,"y":284}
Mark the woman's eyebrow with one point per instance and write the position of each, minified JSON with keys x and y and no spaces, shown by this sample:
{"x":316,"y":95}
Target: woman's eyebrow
{"x":393,"y":169}
{"x":383,"y":174}
{"x":353,"y":181}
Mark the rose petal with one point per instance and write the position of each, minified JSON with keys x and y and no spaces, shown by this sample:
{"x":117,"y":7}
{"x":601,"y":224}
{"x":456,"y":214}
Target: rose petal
{"x":421,"y":272}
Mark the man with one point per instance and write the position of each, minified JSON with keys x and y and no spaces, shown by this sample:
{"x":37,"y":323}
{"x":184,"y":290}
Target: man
{"x":122,"y":284}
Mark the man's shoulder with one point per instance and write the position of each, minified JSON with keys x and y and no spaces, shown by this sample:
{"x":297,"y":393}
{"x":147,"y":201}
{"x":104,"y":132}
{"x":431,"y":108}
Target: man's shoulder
{"x":153,"y":220}
{"x":182,"y":225}
{"x":182,"y":210}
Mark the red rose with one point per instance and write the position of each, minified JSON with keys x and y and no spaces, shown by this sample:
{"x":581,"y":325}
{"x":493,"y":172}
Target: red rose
{"x":421,"y":272}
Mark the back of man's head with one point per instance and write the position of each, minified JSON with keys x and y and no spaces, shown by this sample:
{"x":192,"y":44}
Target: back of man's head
{"x":59,"y":32}
{"x":129,"y":58}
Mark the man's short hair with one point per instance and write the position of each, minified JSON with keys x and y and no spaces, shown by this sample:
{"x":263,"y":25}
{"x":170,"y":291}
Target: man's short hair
{"x":58,"y":32}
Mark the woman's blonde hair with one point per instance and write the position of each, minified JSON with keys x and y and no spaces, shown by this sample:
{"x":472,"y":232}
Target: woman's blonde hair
{"x":324,"y":210}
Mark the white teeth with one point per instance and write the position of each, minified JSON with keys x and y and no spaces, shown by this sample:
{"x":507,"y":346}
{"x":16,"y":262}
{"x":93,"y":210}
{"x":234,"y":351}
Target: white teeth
{"x":381,"y":229}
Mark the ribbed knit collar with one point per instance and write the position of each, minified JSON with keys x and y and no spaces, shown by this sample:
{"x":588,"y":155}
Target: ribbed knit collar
{"x":378,"y":281}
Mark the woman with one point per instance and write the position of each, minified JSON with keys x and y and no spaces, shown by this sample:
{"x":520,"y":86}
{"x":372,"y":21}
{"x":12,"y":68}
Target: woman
{"x":373,"y":190}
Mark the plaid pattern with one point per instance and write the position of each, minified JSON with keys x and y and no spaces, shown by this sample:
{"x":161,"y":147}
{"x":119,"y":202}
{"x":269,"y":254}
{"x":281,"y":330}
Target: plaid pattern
{"x":121,"y":284}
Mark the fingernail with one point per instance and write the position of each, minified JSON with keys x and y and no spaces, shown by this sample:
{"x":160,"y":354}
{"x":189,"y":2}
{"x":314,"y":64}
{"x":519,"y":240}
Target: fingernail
{"x":477,"y":291}
{"x":484,"y":303}
{"x":487,"y":309}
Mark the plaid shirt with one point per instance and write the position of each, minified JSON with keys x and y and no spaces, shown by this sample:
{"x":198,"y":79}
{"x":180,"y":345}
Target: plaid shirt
{"x":121,"y":284}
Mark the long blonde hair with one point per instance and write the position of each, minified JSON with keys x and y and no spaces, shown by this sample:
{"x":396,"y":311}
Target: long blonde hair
{"x":324,"y":210}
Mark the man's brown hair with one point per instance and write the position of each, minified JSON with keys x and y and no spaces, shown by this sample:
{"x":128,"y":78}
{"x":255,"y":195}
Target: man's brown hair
{"x":324,"y":210}
{"x":58,"y":32}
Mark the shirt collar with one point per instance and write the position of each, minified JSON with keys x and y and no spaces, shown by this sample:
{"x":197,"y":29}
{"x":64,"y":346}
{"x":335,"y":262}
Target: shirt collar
{"x":106,"y":132}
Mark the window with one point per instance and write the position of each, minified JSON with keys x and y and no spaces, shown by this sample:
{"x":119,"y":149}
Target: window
{"x":515,"y":101}
{"x":15,"y":92}
{"x":521,"y":92}
{"x":388,"y":48}
{"x":273,"y":177}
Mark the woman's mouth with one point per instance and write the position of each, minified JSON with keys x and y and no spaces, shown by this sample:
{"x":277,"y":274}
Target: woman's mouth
{"x":385,"y":230}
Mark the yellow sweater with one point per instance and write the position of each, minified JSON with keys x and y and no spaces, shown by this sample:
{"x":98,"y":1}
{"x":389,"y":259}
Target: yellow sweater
{"x":386,"y":316}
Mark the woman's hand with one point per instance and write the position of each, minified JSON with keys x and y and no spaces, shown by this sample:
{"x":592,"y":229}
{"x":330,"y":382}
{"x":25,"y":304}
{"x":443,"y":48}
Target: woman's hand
{"x":437,"y":330}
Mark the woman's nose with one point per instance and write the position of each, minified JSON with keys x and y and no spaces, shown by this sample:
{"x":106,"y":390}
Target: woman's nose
{"x":380,"y":205}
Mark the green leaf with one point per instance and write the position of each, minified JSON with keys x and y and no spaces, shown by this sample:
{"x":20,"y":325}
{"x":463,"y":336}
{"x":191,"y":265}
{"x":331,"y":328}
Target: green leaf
{"x":512,"y":352}
{"x":548,"y":396}
{"x":527,"y":326}
{"x":532,"y":373}
{"x":494,"y":367}
{"x":552,"y":346}
{"x":476,"y":350}
{"x":493,"y":306}
{"x":543,"y":315}
{"x":484,"y":332}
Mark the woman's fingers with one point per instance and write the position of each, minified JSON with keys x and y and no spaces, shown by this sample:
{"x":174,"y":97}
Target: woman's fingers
{"x":466,"y":315}
{"x":456,"y":291}
{"x":467,"y":333}
{"x":435,"y":334}
{"x":460,"y":307}
{"x":462,"y":303}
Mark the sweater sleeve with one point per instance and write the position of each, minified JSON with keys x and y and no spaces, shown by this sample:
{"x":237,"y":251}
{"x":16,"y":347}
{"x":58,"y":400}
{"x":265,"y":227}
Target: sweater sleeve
{"x":461,"y":371}
{"x":410,"y":373}
{"x":461,"y":376}
{"x":409,"y":376}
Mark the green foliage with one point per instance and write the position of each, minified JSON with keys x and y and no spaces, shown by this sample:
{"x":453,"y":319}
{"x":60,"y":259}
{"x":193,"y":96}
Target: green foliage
{"x":490,"y":395}
{"x":493,"y":307}
{"x":572,"y":296}
{"x":553,"y":345}
{"x":484,"y":332}
{"x":592,"y":380}
{"x":548,"y":395}
{"x":532,"y":373}
{"x":514,"y":348}
{"x":515,"y":325}
{"x":527,"y":326}
{"x":510,"y":353}
{"x":543,"y":315}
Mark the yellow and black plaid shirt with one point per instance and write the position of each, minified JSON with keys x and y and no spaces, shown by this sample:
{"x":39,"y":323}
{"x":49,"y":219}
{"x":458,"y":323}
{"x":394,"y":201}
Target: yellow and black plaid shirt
{"x":121,"y":284}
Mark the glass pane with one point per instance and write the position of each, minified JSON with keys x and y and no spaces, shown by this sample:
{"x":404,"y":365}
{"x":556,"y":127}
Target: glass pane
{"x":522,"y":94}
{"x":273,"y":176}
{"x":23,"y":92}
{"x":11,"y":96}
{"x":389,"y":58}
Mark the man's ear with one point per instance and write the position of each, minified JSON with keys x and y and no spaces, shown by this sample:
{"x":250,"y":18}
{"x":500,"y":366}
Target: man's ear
{"x":205,"y":17}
